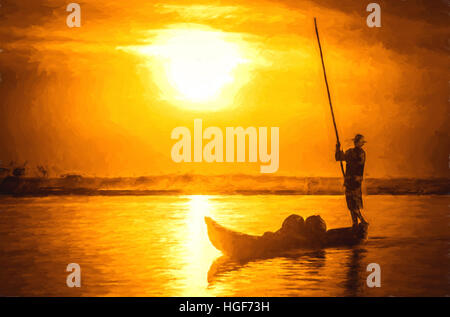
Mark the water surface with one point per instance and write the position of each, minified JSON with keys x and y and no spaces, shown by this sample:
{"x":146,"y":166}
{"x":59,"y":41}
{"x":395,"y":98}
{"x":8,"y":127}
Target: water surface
{"x":158,"y":246}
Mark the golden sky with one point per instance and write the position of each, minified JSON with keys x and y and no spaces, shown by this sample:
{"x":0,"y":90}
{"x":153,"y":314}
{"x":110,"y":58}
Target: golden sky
{"x":103,"y":99}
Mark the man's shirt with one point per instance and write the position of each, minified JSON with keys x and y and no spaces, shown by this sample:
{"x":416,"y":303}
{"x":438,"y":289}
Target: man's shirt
{"x":355,"y":159}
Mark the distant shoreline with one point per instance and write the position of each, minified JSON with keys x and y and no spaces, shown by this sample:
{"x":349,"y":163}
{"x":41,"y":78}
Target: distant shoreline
{"x":213,"y":185}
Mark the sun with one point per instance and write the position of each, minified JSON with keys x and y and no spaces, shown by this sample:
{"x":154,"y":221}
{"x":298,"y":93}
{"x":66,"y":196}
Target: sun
{"x":199,"y":63}
{"x":197,"y":67}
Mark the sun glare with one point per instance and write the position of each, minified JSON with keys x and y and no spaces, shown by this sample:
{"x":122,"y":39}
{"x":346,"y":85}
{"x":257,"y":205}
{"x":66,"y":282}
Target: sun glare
{"x":198,"y":68}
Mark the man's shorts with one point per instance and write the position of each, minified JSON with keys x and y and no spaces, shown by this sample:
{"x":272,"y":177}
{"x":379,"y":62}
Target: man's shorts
{"x":354,"y":198}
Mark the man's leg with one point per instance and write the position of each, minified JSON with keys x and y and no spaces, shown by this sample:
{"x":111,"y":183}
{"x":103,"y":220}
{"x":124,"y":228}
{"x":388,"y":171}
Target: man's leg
{"x":360,"y":216}
{"x":351,"y":206}
{"x":354,"y":218}
{"x":359,"y":205}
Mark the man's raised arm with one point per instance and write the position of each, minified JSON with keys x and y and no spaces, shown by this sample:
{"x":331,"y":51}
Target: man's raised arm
{"x":339,"y":155}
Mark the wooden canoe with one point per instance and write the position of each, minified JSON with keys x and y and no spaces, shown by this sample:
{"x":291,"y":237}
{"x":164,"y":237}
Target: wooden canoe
{"x":240,"y":245}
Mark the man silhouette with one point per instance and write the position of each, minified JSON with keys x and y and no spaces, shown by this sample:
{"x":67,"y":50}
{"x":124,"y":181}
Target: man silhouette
{"x":355,"y":159}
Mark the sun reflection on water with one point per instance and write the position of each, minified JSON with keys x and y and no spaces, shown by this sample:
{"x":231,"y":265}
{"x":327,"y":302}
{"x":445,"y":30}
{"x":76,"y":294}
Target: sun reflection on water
{"x":199,"y":253}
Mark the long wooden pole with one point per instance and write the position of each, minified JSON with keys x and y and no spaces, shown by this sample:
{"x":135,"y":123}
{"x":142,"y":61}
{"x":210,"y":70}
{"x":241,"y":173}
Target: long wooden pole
{"x":328,"y":92}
